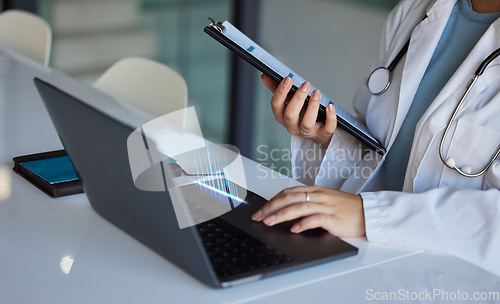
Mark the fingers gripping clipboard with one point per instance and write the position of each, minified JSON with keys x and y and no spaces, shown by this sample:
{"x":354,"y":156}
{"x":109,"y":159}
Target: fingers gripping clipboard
{"x":229,"y":36}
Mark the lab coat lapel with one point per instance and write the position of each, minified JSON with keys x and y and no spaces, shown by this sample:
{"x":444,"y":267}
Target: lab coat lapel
{"x":423,"y":42}
{"x":458,"y":83}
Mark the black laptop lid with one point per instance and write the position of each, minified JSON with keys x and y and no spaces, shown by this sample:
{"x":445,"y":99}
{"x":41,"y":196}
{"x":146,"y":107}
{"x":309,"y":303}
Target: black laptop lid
{"x":97,"y":145}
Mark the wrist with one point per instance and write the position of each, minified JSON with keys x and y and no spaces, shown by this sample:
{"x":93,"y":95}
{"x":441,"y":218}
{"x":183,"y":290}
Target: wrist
{"x":324,"y":143}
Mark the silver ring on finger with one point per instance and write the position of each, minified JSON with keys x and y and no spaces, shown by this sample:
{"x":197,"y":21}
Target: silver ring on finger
{"x":306,"y":134}
{"x":308,"y":197}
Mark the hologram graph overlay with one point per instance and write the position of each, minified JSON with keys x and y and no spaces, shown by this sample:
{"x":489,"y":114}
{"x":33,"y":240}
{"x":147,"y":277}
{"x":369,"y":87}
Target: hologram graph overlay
{"x":204,"y":180}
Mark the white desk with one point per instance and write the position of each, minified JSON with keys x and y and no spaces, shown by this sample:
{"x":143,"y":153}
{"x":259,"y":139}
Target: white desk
{"x":61,"y":251}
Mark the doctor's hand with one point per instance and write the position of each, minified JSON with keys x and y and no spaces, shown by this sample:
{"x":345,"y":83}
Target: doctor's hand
{"x":288,"y":111}
{"x":339,"y":213}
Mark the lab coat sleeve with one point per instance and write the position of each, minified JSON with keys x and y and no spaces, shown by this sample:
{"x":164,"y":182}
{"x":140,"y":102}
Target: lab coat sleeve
{"x":462,"y":222}
{"x":338,"y":165}
{"x":308,"y":157}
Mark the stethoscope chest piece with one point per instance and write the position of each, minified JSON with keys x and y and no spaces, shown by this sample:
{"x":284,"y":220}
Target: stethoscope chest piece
{"x":379,"y":81}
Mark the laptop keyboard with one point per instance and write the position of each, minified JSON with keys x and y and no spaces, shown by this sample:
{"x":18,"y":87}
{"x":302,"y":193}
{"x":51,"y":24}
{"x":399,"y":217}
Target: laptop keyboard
{"x":234,"y":252}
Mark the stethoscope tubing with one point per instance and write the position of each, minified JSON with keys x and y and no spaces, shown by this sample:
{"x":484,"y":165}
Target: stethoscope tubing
{"x":398,"y":57}
{"x":479,"y":72}
{"x":486,"y":62}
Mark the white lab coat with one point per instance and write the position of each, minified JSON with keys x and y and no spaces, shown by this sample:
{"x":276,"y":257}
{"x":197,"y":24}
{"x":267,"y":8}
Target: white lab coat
{"x":438,"y":209}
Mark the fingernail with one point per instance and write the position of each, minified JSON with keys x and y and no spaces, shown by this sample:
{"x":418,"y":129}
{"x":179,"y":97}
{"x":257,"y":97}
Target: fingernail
{"x":305,"y":86}
{"x":287,"y":82}
{"x":295,"y":228}
{"x":329,"y":108}
{"x":315,"y":95}
{"x":269,"y":221}
{"x":257,"y":215}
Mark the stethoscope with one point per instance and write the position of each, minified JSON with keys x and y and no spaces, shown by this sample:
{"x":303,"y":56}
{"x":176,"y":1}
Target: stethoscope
{"x":380,"y":80}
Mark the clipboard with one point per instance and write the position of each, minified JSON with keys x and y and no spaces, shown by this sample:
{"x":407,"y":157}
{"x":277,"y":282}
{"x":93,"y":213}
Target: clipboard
{"x":229,"y":36}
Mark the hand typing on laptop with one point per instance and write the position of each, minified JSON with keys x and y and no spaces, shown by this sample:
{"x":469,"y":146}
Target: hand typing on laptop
{"x":338,"y":212}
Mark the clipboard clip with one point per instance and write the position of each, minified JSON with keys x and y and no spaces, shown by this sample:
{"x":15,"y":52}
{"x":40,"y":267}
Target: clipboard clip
{"x":217,"y":25}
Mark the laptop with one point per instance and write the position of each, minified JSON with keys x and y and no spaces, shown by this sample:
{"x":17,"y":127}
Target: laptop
{"x":226,"y":251}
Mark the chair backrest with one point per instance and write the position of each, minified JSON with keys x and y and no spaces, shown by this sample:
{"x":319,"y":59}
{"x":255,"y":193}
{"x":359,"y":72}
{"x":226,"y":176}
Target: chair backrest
{"x":145,"y":84}
{"x":27,"y":34}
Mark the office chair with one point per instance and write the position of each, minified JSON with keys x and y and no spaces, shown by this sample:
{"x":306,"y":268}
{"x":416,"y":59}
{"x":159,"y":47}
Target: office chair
{"x":27,"y":34}
{"x":145,"y":84}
